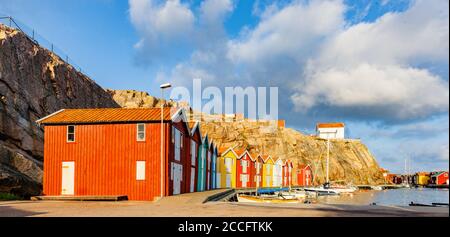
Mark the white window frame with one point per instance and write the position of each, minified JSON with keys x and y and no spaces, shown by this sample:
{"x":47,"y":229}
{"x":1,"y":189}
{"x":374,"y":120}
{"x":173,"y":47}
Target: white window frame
{"x":140,"y":170}
{"x":177,"y":146}
{"x":193,"y":153}
{"x":173,"y":135}
{"x":139,"y":132}
{"x":244,"y":166}
{"x":209,"y":159}
{"x":181,"y":140}
{"x":67,"y":133}
{"x":228,"y":165}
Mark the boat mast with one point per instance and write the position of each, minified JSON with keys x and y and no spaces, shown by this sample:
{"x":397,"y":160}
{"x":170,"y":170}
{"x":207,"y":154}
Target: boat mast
{"x":328,"y":158}
{"x":328,"y":154}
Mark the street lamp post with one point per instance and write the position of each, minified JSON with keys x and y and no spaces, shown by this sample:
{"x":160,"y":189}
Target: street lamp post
{"x":163,"y":86}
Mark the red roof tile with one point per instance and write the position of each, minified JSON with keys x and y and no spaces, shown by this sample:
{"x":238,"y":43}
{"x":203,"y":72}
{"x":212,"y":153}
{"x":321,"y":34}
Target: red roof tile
{"x":109,"y":115}
{"x":330,"y":125}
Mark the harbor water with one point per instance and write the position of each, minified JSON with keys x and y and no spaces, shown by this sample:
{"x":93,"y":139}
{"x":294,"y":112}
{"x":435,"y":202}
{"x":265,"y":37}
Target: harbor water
{"x":391,"y":197}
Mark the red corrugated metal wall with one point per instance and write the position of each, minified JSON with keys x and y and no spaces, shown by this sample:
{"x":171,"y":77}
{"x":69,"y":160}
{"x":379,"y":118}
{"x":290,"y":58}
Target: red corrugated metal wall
{"x":105,"y":158}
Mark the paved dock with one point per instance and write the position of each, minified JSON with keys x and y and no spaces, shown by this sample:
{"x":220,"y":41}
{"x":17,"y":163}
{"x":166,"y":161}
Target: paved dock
{"x":192,"y":205}
{"x":80,"y":198}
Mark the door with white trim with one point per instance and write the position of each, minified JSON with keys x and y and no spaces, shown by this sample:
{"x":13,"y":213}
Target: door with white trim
{"x":244,"y":179}
{"x":228,"y":181}
{"x":192,"y":189}
{"x":68,"y":178}
{"x":177,"y":172}
{"x":218,"y":176}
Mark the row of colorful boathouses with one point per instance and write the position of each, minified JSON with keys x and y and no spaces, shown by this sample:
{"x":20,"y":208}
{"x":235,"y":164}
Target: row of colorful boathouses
{"x":148,"y":153}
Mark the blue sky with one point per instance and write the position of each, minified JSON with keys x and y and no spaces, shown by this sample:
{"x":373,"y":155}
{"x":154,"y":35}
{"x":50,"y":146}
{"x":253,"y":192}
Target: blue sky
{"x":379,"y":66}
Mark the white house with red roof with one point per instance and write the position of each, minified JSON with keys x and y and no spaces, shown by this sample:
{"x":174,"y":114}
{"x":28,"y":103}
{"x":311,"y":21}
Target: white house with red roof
{"x":330,"y":130}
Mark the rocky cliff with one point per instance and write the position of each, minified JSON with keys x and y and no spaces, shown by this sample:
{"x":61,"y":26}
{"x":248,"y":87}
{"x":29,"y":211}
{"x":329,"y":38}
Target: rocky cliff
{"x":34,"y":82}
{"x":139,"y":99}
{"x":350,"y":160}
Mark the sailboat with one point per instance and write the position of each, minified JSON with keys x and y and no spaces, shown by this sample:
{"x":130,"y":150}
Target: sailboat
{"x":326,"y":188}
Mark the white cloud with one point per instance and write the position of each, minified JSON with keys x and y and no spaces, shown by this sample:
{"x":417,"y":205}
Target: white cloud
{"x":404,"y":93}
{"x":154,"y":19}
{"x":320,"y":61}
{"x":164,"y":27}
{"x":215,"y":10}
{"x":417,"y":35}
{"x":289,"y":31}
{"x":370,"y":66}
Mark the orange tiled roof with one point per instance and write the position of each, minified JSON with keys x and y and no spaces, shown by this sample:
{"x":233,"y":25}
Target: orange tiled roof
{"x":254,"y":155}
{"x":109,"y":115}
{"x":239,"y":151}
{"x":266,"y":157}
{"x":302,"y":166}
{"x":330,"y":125}
{"x":222,"y":149}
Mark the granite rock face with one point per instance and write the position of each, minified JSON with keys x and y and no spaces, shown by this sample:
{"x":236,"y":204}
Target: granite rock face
{"x":350,"y":160}
{"x":34,"y":83}
{"x":138,"y":99}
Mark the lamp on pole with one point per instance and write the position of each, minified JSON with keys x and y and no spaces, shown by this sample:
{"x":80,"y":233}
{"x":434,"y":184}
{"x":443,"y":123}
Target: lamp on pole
{"x":163,"y":86}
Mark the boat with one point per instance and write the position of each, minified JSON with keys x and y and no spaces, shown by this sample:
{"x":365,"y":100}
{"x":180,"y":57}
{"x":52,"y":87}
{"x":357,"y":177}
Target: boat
{"x":327,"y":188}
{"x":321,"y":191}
{"x":264,"y":199}
{"x":344,"y":190}
{"x":291,"y":195}
{"x":378,"y":188}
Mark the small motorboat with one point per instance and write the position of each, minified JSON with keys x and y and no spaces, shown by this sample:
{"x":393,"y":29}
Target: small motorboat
{"x":264,"y":199}
{"x":291,"y":195}
{"x":344,"y":190}
{"x":321,"y":191}
{"x":378,"y":188}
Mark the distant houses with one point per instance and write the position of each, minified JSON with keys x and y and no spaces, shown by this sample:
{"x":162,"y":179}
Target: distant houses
{"x":439,"y":178}
{"x":131,"y":152}
{"x":425,"y":179}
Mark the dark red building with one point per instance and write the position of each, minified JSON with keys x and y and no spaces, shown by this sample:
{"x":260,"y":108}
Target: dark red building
{"x":196,"y":141}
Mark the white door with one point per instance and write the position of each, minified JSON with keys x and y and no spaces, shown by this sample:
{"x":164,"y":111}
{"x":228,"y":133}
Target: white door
{"x":268,"y":178}
{"x":68,"y":178}
{"x":228,"y":184}
{"x":218,"y":180}
{"x":177,"y":173}
{"x":192,"y":179}
{"x":244,"y":180}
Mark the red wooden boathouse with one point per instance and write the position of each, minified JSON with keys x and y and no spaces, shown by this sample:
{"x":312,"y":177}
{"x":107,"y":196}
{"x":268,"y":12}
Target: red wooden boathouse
{"x":244,"y":166}
{"x":257,"y":172}
{"x":115,"y":152}
{"x":304,"y":176}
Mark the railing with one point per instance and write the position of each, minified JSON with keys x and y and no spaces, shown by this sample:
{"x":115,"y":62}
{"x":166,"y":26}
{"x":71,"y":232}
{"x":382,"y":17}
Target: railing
{"x":35,"y":37}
